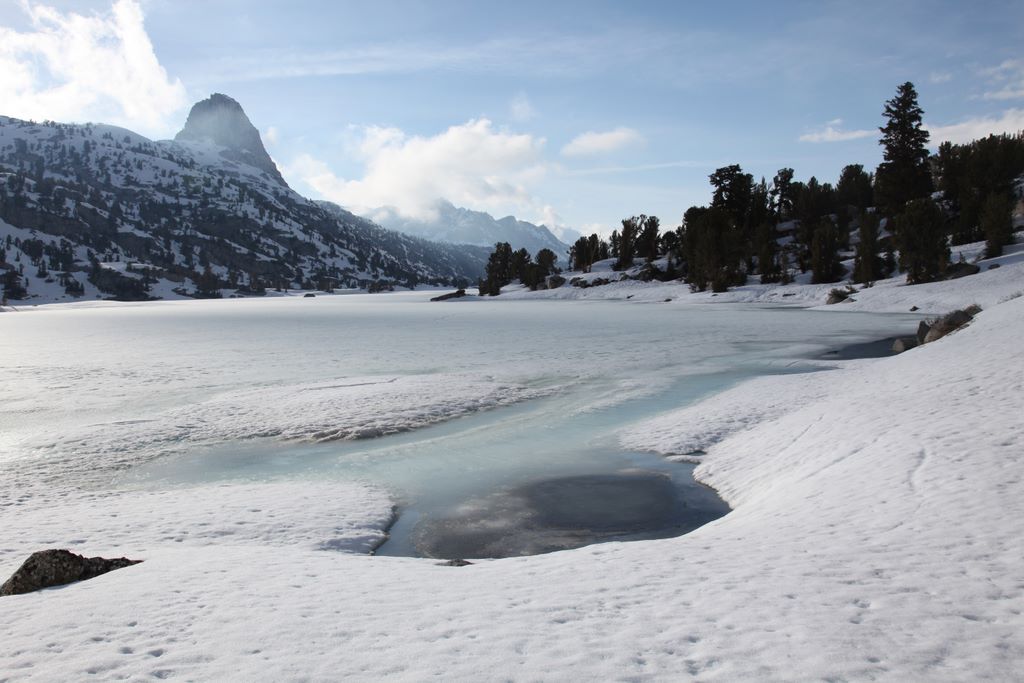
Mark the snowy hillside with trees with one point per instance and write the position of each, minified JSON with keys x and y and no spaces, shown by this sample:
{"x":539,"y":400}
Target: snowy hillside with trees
{"x":92,"y":211}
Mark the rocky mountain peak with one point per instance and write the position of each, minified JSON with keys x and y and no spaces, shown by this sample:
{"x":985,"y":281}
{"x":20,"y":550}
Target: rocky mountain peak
{"x":221,"y":120}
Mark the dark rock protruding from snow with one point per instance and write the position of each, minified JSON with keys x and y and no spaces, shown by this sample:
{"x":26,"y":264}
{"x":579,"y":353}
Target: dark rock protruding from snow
{"x":458,"y":294}
{"x":555,"y":281}
{"x":961,"y":269}
{"x":950,"y":322}
{"x":221,"y":120}
{"x":922,"y":331}
{"x":48,"y":568}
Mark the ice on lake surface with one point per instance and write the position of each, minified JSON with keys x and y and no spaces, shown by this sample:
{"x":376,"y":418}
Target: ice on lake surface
{"x":464,"y":410}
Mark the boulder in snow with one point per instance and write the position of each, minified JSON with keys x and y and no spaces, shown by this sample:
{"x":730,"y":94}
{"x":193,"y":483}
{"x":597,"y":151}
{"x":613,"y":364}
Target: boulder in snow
{"x":47,"y":568}
{"x":555,"y":281}
{"x":458,"y":294}
{"x":961,"y":269}
{"x":948,"y":323}
{"x":838,"y":295}
{"x":903,"y":344}
{"x":922,"y":331}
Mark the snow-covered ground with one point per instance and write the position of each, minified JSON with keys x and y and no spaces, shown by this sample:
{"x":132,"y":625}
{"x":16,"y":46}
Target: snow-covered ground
{"x":875,"y":531}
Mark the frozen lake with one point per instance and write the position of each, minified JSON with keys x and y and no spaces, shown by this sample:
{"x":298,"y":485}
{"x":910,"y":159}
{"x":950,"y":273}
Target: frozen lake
{"x":492,"y":423}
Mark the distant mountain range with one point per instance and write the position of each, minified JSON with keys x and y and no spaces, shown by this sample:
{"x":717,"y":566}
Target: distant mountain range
{"x":463,"y":226}
{"x":96,"y":210}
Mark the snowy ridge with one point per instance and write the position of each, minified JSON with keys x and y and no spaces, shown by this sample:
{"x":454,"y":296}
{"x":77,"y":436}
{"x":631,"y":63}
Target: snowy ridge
{"x":89,"y":195}
{"x":463,"y":226}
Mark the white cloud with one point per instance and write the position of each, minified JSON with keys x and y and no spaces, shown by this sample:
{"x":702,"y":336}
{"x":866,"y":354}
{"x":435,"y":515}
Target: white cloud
{"x":271,"y":135}
{"x":1010,"y":121}
{"x":521,"y":109}
{"x":553,"y":221}
{"x":472,"y":165}
{"x":1007,"y":79}
{"x":599,"y":143}
{"x":1009,"y":92}
{"x":833,"y":132}
{"x":939,"y":77}
{"x":101,"y":67}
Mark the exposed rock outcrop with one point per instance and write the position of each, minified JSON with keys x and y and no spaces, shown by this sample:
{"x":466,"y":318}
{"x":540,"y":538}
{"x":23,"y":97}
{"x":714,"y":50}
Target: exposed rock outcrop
{"x":221,"y":120}
{"x":450,"y":295}
{"x":555,"y":281}
{"x":922,"y":331}
{"x":48,"y":568}
{"x":950,"y":322}
{"x":961,"y":269}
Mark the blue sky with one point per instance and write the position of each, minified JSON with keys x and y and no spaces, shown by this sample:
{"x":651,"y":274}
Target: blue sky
{"x":572,"y":113}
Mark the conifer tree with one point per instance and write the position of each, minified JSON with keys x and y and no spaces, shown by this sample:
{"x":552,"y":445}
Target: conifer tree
{"x":498,"y":271}
{"x":997,"y":224}
{"x":208,"y":284}
{"x":767,"y":252}
{"x":904,"y":174}
{"x":579,"y":255}
{"x":854,"y":188}
{"x":782,"y":194}
{"x":921,"y":238}
{"x":867,"y":265}
{"x":598,"y":248}
{"x":546,"y":261}
{"x":647,"y":237}
{"x":825,"y":266}
{"x":713,"y":252}
{"x":630,"y":228}
{"x":967,"y":174}
{"x":519,"y":265}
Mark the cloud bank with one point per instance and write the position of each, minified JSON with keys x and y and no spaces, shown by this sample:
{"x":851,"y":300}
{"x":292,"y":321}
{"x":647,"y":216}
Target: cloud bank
{"x":73,"y":67}
{"x":1010,"y":121}
{"x":472,"y":164}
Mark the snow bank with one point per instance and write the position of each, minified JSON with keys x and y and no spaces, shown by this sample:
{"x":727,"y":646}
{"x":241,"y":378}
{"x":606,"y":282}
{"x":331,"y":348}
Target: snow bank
{"x":690,"y":431}
{"x":875,"y":535}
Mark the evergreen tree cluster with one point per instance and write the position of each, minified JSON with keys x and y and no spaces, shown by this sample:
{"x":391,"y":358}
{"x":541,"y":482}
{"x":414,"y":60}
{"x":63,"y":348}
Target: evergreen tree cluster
{"x":978,"y":180}
{"x":505,"y":266}
{"x":586,"y":251}
{"x":739,"y":233}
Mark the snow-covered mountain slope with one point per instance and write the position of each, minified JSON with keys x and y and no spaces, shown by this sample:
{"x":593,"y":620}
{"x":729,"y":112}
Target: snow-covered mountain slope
{"x":90,"y":210}
{"x":463,"y":226}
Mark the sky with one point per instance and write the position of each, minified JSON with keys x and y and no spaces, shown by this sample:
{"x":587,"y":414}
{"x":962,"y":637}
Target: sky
{"x":574,"y":114}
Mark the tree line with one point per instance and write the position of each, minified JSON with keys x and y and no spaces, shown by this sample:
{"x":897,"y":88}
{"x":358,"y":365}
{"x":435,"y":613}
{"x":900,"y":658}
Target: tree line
{"x":914,"y":204}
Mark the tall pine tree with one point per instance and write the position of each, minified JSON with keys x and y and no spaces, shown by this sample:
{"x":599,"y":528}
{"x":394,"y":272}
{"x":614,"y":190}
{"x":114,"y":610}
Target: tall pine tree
{"x":903,"y":175}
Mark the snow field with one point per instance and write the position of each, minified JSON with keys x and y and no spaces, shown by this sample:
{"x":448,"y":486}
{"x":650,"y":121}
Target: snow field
{"x":875,"y":535}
